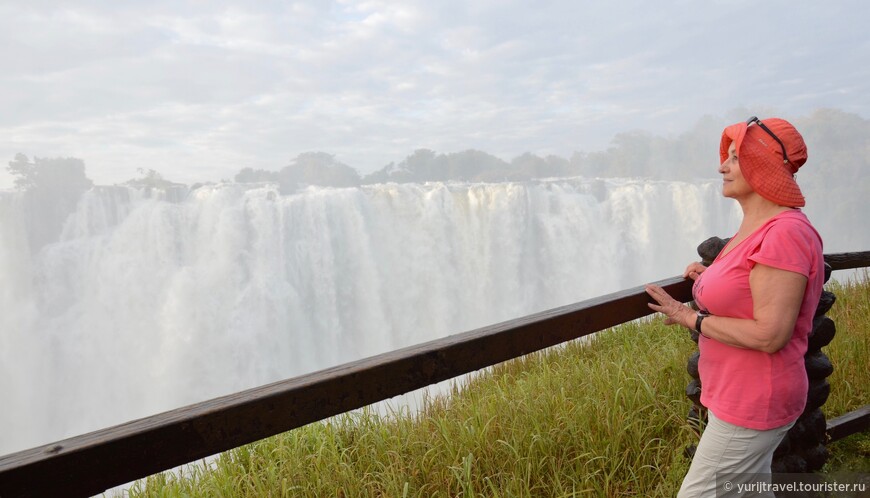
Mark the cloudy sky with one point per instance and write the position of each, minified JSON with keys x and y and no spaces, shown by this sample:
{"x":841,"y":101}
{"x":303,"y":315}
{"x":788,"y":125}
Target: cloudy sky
{"x":197,"y":90}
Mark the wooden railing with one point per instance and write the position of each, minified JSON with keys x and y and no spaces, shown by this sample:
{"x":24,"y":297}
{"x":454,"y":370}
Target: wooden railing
{"x":91,"y":463}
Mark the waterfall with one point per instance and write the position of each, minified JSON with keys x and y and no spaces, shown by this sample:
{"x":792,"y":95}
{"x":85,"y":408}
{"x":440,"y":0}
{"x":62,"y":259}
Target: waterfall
{"x":149,"y":300}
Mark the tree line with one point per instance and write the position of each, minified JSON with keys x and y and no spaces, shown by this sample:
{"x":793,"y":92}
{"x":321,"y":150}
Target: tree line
{"x":838,"y":146}
{"x":837,"y":142}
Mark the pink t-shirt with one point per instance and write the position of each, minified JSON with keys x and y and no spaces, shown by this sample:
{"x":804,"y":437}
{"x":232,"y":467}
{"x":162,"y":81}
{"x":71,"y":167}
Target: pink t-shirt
{"x":747,"y":387}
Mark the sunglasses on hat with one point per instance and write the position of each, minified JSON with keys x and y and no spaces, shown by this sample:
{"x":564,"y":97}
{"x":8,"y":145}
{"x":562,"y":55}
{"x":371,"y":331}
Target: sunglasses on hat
{"x":754,"y":119}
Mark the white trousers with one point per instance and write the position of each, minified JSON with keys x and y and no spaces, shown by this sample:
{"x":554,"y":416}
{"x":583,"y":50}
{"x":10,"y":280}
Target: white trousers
{"x":730,"y":449}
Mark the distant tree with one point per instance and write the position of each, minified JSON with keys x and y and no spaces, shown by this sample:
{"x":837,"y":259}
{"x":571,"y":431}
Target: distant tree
{"x":834,"y":179}
{"x":52,"y":189}
{"x":23,"y":171}
{"x":425,"y":165}
{"x":578,"y":164}
{"x":472,"y":165}
{"x":631,"y":154}
{"x":249,"y":175}
{"x":316,"y":168}
{"x":528,"y":166}
{"x":151,"y":179}
{"x":422,"y":166}
{"x":49,"y":174}
{"x":383,"y":175}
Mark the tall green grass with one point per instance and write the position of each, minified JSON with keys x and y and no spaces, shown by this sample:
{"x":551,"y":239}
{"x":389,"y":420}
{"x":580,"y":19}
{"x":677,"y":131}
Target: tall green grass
{"x":849,"y":352}
{"x":605,"y":417}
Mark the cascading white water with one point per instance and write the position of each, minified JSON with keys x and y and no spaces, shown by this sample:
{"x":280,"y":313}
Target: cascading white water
{"x":147,"y":303}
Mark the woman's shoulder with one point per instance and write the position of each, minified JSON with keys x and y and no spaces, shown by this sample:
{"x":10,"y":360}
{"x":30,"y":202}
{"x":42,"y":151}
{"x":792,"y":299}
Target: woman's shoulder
{"x":791,"y":230}
{"x":792,"y":220}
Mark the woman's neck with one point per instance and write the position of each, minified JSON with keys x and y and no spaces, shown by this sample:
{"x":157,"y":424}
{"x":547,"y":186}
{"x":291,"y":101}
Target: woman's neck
{"x":757,"y":210}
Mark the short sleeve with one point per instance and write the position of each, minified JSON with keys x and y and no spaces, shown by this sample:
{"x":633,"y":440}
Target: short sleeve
{"x":789,"y":244}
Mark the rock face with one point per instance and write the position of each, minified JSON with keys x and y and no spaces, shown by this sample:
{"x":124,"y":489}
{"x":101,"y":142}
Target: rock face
{"x":803,"y":448}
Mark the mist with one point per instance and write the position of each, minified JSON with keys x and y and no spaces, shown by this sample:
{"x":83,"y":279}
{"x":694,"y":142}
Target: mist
{"x":120,"y":301}
{"x":833,"y":180}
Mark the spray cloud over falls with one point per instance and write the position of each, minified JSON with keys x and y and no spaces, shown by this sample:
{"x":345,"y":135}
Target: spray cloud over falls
{"x":150,"y":300}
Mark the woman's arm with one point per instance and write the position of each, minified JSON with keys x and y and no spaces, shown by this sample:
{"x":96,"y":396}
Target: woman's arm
{"x":777,"y":296}
{"x":776,"y":301}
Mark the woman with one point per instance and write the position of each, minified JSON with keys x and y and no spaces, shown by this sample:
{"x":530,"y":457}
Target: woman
{"x":757,"y":301}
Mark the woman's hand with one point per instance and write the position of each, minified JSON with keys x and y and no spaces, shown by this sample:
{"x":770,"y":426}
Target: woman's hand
{"x":675,"y":311}
{"x":694,"y":270}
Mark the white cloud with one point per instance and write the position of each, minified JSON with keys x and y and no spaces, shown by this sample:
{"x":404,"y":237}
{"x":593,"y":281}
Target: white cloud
{"x":200,"y":90}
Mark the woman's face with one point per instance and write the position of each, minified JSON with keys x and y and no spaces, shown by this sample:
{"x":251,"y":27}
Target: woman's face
{"x":734,"y":185}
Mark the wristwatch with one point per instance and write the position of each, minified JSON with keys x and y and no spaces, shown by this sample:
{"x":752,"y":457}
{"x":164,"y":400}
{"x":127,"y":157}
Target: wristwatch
{"x":701,"y":316}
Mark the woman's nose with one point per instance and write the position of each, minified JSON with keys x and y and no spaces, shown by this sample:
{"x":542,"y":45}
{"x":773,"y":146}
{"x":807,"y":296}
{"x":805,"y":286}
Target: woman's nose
{"x":723,"y":166}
